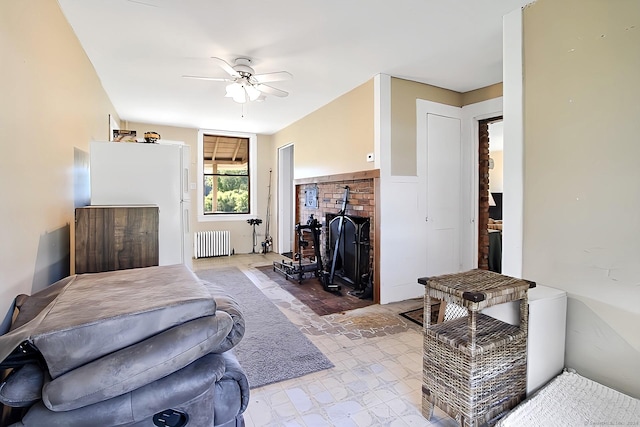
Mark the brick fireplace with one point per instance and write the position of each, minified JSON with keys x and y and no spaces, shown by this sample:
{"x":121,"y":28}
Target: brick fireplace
{"x":329,"y":192}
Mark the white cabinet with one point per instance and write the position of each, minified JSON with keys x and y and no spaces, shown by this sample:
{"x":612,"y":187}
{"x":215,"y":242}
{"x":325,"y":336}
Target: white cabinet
{"x":547,"y":331}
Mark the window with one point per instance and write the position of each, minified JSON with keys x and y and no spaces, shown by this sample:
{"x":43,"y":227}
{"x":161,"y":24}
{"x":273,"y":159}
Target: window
{"x":226,"y":163}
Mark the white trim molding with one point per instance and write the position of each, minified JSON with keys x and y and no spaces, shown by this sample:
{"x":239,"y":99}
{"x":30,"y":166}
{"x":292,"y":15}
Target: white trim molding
{"x":472,"y":114}
{"x":513,"y":189}
{"x":253,"y":168}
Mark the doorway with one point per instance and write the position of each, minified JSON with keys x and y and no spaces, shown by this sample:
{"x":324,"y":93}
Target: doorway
{"x":490,"y":172}
{"x":286,"y":199}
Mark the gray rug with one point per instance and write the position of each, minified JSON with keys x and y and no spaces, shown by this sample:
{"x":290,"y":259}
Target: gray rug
{"x":273,"y":349}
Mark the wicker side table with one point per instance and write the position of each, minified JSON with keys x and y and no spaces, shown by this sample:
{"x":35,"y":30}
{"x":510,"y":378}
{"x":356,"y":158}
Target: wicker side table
{"x":475,"y":367}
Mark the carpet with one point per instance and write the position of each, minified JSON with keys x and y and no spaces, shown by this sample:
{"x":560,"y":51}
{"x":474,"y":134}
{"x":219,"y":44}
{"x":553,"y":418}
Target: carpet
{"x":273,"y":349}
{"x":312,"y":294}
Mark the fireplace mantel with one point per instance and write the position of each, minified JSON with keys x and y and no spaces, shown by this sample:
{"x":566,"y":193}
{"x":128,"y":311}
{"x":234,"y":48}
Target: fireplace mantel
{"x":350,"y":176}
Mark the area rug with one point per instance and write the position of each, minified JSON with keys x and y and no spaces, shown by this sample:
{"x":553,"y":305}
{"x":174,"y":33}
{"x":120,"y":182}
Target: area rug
{"x":311,"y":293}
{"x":273,"y":349}
{"x":417,"y":315}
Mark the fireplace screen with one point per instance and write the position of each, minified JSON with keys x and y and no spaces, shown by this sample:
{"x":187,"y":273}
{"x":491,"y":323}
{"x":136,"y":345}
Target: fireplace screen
{"x":352,"y":264}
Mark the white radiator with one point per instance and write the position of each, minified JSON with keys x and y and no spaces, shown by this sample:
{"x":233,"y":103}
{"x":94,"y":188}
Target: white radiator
{"x":211,"y":243}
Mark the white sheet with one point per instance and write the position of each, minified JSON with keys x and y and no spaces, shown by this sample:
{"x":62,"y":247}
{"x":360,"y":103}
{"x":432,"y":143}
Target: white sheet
{"x":573,"y":400}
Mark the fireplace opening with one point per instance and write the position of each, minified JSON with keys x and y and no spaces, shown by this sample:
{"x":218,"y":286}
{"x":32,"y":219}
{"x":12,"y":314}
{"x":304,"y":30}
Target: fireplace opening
{"x":352,"y":259}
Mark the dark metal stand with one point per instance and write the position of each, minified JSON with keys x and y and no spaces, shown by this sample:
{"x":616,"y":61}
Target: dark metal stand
{"x":254,"y":222}
{"x":302,"y":267}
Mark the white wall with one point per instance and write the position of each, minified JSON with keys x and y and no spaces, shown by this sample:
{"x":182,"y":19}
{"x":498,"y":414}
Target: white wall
{"x":496,"y":153}
{"x":496,"y":175}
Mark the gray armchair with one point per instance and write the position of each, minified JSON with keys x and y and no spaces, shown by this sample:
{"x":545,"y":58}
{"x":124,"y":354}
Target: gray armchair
{"x":141,"y":347}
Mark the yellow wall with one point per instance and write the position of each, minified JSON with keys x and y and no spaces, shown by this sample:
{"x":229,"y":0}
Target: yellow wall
{"x":52,"y":102}
{"x":582,"y":180}
{"x":335,"y":138}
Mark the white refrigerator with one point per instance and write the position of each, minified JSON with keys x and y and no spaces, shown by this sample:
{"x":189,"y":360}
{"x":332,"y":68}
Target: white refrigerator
{"x":124,"y":173}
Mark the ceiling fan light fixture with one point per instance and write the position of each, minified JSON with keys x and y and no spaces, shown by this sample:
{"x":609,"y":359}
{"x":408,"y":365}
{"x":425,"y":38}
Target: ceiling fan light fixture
{"x":237,"y":92}
{"x":253,"y":93}
{"x":245,"y":85}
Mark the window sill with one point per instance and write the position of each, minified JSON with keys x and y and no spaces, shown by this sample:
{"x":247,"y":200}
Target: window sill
{"x":225,"y":217}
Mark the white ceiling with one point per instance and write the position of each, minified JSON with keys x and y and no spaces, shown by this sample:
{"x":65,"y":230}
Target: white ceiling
{"x":141,"y":48}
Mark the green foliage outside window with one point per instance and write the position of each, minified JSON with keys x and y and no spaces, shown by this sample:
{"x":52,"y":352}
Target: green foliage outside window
{"x":232,"y":195}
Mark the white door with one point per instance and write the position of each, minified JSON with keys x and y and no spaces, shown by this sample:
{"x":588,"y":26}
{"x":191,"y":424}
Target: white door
{"x":443,"y":194}
{"x":286,"y":225}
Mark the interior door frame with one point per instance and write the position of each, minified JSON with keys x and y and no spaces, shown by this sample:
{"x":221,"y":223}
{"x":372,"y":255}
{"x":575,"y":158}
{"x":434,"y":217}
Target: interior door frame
{"x":286,"y":198}
{"x":473,"y":114}
{"x":483,"y":215}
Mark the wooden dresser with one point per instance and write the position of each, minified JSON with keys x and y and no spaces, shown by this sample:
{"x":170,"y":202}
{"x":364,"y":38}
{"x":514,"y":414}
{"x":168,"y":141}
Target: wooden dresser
{"x":116,"y":238}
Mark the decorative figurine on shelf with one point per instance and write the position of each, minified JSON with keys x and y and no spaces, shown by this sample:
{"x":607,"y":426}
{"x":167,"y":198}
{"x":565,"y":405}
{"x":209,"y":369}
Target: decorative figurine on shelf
{"x":151,"y":136}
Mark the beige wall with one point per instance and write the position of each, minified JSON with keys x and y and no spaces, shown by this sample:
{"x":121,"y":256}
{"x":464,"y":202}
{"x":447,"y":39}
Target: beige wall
{"x":404,"y":94}
{"x":335,"y":138}
{"x":482,"y":94}
{"x":52,"y":103}
{"x":582,"y":180}
{"x":241,"y":232}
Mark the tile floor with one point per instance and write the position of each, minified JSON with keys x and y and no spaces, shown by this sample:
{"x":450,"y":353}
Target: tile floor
{"x":377,"y":355}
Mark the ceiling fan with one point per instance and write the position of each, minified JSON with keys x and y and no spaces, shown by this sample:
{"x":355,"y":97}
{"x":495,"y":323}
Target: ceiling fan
{"x":245,"y":83}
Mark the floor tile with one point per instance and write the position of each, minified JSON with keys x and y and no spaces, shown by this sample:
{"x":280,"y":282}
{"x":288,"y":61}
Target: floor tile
{"x":377,"y":378}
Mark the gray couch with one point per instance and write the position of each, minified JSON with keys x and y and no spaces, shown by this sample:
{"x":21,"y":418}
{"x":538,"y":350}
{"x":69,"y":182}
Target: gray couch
{"x":141,"y":347}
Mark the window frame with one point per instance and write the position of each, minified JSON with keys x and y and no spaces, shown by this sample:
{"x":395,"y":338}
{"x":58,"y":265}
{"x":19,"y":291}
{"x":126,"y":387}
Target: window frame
{"x":253,"y":166}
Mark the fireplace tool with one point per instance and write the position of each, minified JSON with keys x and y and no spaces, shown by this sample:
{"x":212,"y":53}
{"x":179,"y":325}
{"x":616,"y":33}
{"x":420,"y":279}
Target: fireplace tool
{"x":301,"y":268}
{"x":327,"y":277}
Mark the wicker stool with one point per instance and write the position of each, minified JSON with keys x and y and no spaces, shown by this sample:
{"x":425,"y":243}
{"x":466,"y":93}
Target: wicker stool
{"x":475,"y":367}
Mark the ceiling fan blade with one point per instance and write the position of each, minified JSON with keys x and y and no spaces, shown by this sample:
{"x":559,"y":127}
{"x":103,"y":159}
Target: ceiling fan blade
{"x":271,"y":90}
{"x":215,"y":79}
{"x":226,"y":67}
{"x":272,"y":77}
